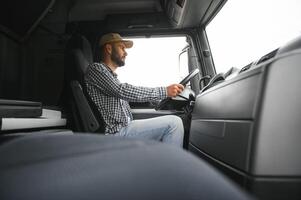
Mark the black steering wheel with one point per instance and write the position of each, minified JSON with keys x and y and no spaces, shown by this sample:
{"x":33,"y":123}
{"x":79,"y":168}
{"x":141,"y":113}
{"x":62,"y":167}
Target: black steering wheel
{"x":165,"y":101}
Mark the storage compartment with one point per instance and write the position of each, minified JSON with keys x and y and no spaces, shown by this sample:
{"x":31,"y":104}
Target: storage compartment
{"x":227,"y":141}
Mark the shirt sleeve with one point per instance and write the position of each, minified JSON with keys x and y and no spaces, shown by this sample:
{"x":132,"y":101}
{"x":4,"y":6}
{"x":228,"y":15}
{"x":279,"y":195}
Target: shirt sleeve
{"x":102,"y":79}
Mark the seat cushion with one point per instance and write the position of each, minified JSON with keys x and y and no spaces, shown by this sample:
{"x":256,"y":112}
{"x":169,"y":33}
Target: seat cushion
{"x":84,"y":166}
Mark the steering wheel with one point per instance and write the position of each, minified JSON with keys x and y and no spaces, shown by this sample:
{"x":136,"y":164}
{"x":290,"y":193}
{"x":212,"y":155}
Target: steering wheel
{"x":165,"y":101}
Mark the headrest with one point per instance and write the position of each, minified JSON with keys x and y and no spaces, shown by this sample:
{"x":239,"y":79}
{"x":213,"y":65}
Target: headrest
{"x":80,"y":42}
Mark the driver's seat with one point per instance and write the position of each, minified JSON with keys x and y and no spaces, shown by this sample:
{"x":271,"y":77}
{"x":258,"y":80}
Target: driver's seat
{"x":85,"y":116}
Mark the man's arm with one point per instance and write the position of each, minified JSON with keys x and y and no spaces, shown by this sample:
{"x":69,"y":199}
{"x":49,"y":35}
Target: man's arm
{"x":107,"y":83}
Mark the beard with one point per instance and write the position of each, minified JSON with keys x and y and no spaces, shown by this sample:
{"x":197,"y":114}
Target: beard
{"x":116,"y":58}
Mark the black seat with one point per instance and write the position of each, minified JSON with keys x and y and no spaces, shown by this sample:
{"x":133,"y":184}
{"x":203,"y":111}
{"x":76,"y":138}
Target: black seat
{"x":106,"y":167}
{"x":83,"y":113}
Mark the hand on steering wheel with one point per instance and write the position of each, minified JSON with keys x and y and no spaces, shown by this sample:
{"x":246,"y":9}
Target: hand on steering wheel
{"x":176,"y":89}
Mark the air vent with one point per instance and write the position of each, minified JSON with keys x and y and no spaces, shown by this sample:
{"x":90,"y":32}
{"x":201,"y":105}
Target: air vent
{"x":245,"y":68}
{"x":267,"y":57}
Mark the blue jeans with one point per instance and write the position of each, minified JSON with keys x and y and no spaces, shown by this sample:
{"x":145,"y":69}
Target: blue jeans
{"x":168,"y":129}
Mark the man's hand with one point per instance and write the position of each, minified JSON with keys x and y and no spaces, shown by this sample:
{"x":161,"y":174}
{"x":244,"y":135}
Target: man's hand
{"x":174,"y":89}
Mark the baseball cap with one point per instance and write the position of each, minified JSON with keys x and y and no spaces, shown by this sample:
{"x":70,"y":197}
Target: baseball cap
{"x":114,"y":37}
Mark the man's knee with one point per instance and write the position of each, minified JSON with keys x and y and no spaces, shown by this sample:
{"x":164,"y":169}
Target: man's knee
{"x":176,"y":129}
{"x":175,"y":121}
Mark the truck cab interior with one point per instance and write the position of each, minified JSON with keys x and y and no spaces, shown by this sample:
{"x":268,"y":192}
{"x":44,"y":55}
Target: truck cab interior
{"x":242,"y":123}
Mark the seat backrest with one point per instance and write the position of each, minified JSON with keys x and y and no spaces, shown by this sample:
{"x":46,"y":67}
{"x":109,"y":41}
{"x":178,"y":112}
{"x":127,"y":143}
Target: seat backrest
{"x":88,"y":120}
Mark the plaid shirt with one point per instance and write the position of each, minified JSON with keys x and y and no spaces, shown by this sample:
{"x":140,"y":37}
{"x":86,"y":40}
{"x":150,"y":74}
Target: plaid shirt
{"x":111,"y":97}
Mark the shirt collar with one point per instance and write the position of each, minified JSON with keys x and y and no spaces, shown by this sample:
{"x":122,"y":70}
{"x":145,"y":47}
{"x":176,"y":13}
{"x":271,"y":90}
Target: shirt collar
{"x":109,"y":69}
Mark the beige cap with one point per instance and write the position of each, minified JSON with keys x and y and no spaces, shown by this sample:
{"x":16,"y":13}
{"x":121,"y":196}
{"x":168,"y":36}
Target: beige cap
{"x":114,"y":37}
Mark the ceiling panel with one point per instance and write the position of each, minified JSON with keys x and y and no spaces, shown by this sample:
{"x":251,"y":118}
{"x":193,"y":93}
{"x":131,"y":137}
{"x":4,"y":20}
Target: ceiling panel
{"x":83,"y":10}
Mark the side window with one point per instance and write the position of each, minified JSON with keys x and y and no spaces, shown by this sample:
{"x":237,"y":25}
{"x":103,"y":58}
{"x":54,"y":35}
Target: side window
{"x":153,"y":62}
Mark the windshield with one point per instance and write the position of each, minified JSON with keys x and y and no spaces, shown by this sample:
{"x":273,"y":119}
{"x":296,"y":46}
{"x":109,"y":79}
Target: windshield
{"x":243,"y":31}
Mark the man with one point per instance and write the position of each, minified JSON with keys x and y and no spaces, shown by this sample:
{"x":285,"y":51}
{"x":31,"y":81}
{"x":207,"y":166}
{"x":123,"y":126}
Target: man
{"x":111,"y":97}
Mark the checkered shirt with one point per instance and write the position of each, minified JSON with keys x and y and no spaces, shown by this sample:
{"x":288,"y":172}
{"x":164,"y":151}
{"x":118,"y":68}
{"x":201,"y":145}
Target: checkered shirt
{"x":111,"y":97}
